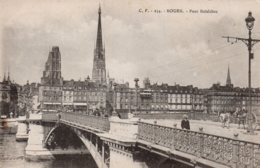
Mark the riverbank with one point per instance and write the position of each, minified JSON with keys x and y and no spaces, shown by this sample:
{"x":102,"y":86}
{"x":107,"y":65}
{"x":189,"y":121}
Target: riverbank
{"x":41,"y":154}
{"x":12,"y":155}
{"x":9,"y":125}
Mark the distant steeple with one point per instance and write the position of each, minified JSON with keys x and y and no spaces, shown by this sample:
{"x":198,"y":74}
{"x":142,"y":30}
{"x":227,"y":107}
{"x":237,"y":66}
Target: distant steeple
{"x":228,"y":82}
{"x":8,"y":74}
{"x":8,"y":77}
{"x":4,"y":78}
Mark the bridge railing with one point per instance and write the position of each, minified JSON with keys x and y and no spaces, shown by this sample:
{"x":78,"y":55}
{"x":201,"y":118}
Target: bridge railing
{"x":179,"y":115}
{"x":97,"y":122}
{"x":210,"y":117}
{"x":161,"y":115}
{"x":219,"y":149}
{"x":203,"y":116}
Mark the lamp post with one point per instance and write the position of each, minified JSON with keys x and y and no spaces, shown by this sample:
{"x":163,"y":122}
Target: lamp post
{"x":249,"y":43}
{"x":114,"y":113}
{"x":250,"y":24}
{"x":136,"y":97}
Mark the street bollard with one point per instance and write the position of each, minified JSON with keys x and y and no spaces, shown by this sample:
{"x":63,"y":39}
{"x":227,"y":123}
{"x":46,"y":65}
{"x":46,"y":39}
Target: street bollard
{"x":201,"y":129}
{"x":175,"y":125}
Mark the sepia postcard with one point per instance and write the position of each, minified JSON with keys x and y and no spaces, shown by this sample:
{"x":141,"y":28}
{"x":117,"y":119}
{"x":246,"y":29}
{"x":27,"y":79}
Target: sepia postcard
{"x":129,"y":84}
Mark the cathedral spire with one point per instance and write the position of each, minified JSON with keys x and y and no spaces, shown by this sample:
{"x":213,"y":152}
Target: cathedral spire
{"x":228,"y":82}
{"x":99,"y":64}
{"x":99,"y":45}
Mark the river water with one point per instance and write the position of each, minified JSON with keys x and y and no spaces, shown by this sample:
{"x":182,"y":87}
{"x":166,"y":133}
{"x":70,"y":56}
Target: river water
{"x":12,"y":156}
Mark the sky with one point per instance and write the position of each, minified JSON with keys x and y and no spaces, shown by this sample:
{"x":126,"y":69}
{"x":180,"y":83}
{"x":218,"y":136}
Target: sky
{"x":176,"y":48}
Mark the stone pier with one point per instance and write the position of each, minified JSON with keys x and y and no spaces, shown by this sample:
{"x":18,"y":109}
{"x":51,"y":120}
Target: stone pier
{"x":34,"y":149}
{"x":122,"y":141}
{"x":22,"y":132}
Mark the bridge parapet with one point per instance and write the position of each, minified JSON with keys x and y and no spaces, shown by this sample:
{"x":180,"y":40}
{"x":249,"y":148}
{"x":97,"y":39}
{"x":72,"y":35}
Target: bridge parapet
{"x":96,"y":122}
{"x":179,"y":115}
{"x":49,"y":117}
{"x":127,"y":128}
{"x":202,"y":146}
{"x":121,"y":140}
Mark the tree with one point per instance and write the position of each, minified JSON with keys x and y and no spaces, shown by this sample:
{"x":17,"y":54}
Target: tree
{"x":109,"y":108}
{"x":4,"y":95}
{"x":4,"y":108}
{"x":25,"y":101}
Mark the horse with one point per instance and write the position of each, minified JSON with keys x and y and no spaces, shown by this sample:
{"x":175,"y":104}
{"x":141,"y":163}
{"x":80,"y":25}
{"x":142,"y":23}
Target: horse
{"x":241,"y":116}
{"x":225,"y":119}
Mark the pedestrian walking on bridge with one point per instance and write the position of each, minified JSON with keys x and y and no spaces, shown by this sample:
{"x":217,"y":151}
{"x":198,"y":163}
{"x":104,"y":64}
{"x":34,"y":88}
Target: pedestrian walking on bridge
{"x":58,"y":115}
{"x":185,"y":123}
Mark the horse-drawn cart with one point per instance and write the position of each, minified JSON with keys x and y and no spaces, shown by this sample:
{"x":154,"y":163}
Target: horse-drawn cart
{"x":255,"y":119}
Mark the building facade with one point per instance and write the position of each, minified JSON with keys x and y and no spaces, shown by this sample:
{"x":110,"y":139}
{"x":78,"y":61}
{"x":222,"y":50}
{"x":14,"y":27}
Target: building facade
{"x":229,"y":99}
{"x":158,"y":98}
{"x":84,"y":96}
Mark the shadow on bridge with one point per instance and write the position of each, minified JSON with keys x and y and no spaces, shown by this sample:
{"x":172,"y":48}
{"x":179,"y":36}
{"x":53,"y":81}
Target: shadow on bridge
{"x":63,"y":137}
{"x":153,"y":160}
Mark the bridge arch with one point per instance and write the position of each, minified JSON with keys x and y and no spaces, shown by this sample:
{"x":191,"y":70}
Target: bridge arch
{"x":90,"y":140}
{"x":46,"y":138}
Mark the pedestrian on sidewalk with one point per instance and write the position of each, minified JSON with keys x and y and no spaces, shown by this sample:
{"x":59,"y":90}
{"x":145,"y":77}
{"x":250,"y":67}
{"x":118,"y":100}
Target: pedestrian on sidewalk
{"x":185,"y":123}
{"x":58,"y":115}
{"x":241,"y":115}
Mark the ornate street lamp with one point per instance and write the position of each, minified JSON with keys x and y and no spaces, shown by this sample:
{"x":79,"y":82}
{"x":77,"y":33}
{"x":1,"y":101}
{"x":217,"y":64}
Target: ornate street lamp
{"x":250,"y":21}
{"x":250,"y":24}
{"x":249,"y":43}
{"x":136,"y":97}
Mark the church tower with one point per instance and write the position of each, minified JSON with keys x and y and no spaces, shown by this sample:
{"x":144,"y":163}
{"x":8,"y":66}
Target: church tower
{"x":228,"y":82}
{"x":52,"y":73}
{"x":99,"y":63}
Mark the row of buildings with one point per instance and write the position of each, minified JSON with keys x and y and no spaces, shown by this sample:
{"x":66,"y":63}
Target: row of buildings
{"x":158,"y":98}
{"x":16,"y":100}
{"x":154,"y":98}
{"x":103,"y":93}
{"x":88,"y":95}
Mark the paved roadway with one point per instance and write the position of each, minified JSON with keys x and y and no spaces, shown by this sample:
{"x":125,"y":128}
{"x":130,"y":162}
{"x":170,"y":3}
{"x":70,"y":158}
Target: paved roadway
{"x":214,"y":128}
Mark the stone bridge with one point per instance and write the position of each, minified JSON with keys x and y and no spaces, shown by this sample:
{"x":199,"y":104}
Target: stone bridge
{"x":135,"y":143}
